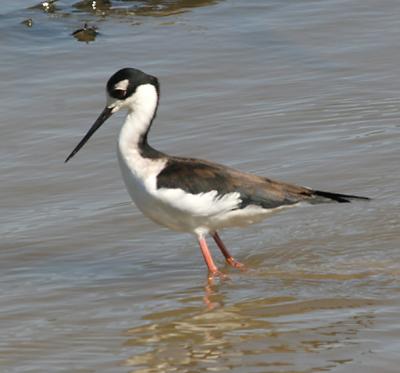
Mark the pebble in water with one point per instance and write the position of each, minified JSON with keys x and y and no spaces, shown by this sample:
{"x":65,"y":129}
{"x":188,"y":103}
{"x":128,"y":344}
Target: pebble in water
{"x":86,"y":34}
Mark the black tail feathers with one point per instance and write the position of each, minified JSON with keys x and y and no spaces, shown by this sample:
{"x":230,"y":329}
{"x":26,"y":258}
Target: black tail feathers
{"x":341,"y":198}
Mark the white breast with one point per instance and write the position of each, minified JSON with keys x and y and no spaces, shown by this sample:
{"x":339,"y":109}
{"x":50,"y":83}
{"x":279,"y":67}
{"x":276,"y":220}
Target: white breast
{"x":177,"y":209}
{"x":173,"y":208}
{"x":139,"y":175}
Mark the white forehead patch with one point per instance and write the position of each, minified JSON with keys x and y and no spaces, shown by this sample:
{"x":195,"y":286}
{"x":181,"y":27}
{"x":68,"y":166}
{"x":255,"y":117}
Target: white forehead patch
{"x":122,"y":85}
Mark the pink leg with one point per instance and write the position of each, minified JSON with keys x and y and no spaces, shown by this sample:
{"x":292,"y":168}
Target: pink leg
{"x":212,"y":268}
{"x":229,"y":258}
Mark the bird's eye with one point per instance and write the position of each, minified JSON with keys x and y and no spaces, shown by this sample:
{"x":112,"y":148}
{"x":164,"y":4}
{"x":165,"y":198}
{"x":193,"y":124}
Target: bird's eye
{"x":119,"y":93}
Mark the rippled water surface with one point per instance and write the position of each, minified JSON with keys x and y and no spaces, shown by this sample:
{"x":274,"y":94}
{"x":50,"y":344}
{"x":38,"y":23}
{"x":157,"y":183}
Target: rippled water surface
{"x":303,"y":91}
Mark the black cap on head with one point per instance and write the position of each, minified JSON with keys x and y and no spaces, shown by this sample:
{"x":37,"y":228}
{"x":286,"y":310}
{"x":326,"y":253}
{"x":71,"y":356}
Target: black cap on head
{"x":134,"y":78}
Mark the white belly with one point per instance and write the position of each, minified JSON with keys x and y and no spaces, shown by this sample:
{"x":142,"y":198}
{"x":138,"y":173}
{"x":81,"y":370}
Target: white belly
{"x":181,"y":211}
{"x":139,"y":175}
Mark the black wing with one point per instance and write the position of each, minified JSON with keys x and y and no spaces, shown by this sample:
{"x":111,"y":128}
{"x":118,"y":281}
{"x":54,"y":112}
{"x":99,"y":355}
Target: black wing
{"x":197,"y":176}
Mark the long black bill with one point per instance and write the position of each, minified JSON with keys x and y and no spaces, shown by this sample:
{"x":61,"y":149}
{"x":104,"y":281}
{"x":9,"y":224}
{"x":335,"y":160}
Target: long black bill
{"x":105,"y":114}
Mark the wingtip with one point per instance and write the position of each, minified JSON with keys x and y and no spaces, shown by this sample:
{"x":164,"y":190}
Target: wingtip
{"x":339,"y":197}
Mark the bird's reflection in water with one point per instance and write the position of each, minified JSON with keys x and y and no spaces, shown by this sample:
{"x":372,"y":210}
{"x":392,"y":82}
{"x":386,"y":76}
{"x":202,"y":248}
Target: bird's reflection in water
{"x":261,"y":335}
{"x":212,"y":297}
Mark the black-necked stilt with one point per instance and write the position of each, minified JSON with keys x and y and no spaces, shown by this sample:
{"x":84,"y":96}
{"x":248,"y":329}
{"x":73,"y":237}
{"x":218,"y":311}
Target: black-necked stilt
{"x":187,"y":194}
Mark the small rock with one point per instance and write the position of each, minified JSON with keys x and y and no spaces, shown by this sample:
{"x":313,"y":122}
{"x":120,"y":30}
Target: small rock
{"x":27,"y":22}
{"x":47,"y":6}
{"x":86,"y":34}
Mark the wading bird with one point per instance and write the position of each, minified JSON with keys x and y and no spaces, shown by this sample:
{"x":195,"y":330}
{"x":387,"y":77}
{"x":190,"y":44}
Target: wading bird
{"x":187,"y":194}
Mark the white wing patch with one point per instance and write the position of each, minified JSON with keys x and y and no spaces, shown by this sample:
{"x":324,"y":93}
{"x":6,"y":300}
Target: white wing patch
{"x":202,"y":204}
{"x":207,"y":212}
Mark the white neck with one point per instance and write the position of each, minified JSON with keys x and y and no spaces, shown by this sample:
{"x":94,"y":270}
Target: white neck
{"x":141,"y":109}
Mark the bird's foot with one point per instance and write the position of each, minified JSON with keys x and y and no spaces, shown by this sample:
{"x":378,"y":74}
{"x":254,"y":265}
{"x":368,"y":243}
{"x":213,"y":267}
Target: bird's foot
{"x":235,"y":264}
{"x":213,"y":275}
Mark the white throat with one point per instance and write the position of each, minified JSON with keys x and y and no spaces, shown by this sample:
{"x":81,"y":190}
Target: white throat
{"x":141,"y":108}
{"x":139,"y":172}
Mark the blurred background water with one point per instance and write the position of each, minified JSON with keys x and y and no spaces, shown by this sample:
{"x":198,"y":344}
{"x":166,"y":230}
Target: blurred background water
{"x":302,"y":91}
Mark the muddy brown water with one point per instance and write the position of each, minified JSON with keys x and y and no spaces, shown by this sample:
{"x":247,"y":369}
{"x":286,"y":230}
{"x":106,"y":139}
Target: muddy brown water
{"x":302,"y":91}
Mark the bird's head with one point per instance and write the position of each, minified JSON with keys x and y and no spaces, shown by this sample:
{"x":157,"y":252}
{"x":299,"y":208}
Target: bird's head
{"x":128,"y":88}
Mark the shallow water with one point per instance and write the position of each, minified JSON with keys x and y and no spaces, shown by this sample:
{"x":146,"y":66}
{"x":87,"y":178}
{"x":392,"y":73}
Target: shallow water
{"x":301,"y":91}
